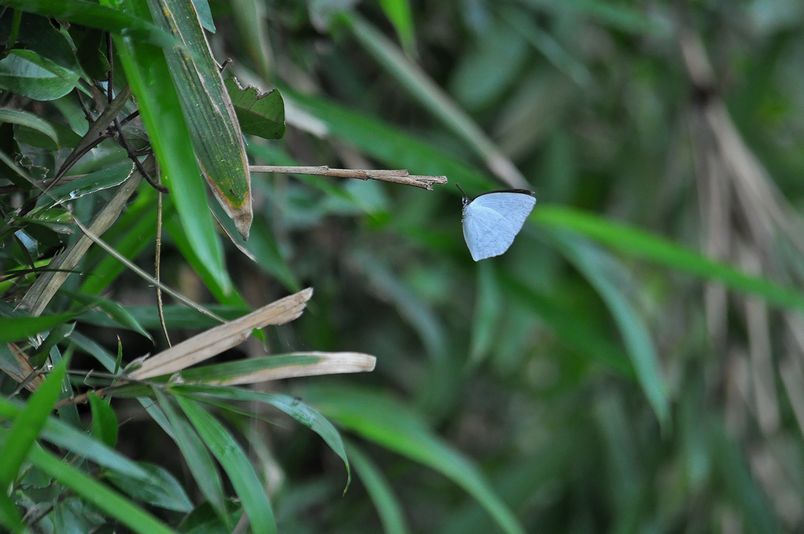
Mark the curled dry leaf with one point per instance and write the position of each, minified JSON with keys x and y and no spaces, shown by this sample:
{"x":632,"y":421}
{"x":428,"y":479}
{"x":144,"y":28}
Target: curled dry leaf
{"x":216,"y":340}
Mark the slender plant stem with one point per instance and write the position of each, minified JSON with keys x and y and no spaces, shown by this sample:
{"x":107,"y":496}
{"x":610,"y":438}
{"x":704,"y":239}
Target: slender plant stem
{"x":397,"y":176}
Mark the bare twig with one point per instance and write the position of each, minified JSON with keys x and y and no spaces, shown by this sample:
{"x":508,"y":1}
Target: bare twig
{"x":157,"y":268}
{"x":133,"y":157}
{"x":400,"y":176}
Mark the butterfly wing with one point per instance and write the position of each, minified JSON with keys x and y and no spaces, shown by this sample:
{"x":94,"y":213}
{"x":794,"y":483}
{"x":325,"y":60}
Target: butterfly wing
{"x":492,"y":221}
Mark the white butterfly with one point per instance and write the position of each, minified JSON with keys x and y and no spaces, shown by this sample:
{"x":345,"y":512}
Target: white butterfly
{"x":492,"y":220}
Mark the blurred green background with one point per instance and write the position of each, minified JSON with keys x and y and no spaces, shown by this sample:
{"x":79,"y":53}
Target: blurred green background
{"x":635,"y":361}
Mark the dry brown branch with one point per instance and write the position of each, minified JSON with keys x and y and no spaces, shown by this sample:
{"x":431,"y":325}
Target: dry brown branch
{"x":400,"y":176}
{"x":220,"y":338}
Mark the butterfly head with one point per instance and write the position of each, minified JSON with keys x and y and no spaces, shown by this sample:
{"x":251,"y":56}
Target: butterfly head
{"x":464,"y":197}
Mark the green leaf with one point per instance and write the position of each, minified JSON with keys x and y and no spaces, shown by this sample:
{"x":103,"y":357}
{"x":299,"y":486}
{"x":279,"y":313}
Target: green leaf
{"x":260,"y":114}
{"x":398,"y":12}
{"x":204,"y":14}
{"x":28,"y":424}
{"x":236,"y":464}
{"x":18,"y":328}
{"x":176,"y":316}
{"x":29,"y":120}
{"x":91,"y":14}
{"x":26,"y":73}
{"x":105,"y":499}
{"x":9,"y":515}
{"x":291,"y":406}
{"x":379,"y":418}
{"x":380,"y":492}
{"x":196,"y":455}
{"x":104,"y":420}
{"x":162,"y":489}
{"x":119,"y":315}
{"x":641,"y":244}
{"x":210,"y":116}
{"x":63,"y":435}
{"x":602,"y":273}
{"x":161,"y":111}
{"x":102,"y":179}
{"x":488,"y":308}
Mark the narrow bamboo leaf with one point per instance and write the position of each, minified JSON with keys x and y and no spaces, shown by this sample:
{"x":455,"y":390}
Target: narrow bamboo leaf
{"x":161,"y":111}
{"x":105,"y":499}
{"x":104,"y":420}
{"x":26,"y":73}
{"x":104,"y":178}
{"x":204,"y":15}
{"x":379,"y":418}
{"x":18,"y":328}
{"x":162,"y":489}
{"x":223,"y":290}
{"x":601,"y":273}
{"x":9,"y":515}
{"x":28,"y":424}
{"x":292,"y":406}
{"x":119,"y":315}
{"x":487,"y":313}
{"x":78,"y":442}
{"x":260,"y":114}
{"x":93,"y":349}
{"x":208,"y":110}
{"x":380,"y":492}
{"x":199,"y":462}
{"x":29,"y":120}
{"x":176,"y":316}
{"x":398,"y":12}
{"x":91,"y":14}
{"x":641,"y":244}
{"x":236,"y":464}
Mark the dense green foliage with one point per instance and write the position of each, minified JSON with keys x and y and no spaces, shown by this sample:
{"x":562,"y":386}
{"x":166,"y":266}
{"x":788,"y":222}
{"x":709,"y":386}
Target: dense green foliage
{"x":634,"y":362}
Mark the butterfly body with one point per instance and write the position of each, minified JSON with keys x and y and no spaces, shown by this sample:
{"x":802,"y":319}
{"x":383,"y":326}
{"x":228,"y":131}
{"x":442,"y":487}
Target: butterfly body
{"x":492,"y":220}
